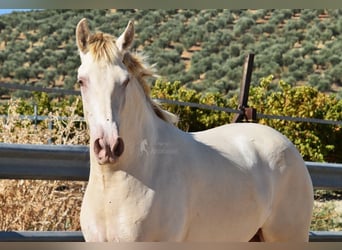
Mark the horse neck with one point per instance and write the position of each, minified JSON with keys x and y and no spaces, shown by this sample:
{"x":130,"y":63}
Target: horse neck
{"x":136,"y":125}
{"x":138,"y":122}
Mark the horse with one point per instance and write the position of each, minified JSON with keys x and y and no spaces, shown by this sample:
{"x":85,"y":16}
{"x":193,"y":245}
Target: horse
{"x":150,"y":181}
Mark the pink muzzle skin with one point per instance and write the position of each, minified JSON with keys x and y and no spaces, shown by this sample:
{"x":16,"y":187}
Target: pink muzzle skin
{"x":108,"y":152}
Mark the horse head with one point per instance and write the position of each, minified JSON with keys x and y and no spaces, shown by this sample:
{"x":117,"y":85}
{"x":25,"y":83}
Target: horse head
{"x":103,"y":78}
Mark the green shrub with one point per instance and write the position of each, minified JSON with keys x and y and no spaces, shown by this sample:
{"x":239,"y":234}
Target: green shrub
{"x":316,"y":142}
{"x":191,"y":119}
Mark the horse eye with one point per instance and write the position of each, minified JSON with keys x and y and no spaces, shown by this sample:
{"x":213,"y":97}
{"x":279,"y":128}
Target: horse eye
{"x":125,"y":83}
{"x":80,"y":82}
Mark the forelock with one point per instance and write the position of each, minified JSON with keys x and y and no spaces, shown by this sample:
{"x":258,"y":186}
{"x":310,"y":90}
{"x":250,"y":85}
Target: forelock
{"x":103,"y":48}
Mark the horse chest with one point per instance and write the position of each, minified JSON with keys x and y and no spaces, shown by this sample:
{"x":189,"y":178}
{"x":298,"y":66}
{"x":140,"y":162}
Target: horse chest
{"x":116,"y":213}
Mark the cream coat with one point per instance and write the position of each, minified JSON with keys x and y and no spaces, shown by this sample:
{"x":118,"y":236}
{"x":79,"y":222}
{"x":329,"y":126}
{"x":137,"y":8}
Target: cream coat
{"x":224,"y":184}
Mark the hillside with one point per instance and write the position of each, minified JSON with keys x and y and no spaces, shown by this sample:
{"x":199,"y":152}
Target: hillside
{"x":204,"y":49}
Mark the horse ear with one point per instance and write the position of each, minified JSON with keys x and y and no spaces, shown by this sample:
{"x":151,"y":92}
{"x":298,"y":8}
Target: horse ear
{"x":82,"y":35}
{"x":125,"y":40}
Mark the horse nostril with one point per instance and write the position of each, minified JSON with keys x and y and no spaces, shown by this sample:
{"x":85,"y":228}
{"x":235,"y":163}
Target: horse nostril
{"x":106,"y":153}
{"x":97,"y":146}
{"x":118,"y":147}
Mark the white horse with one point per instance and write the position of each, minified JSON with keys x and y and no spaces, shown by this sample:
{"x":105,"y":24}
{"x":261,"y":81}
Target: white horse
{"x":150,"y":181}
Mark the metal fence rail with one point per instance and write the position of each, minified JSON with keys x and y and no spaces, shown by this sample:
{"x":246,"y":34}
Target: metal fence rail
{"x":17,"y":86}
{"x":44,"y":162}
{"x":325,"y":175}
{"x":51,"y":162}
{"x":41,"y":236}
{"x":76,"y":236}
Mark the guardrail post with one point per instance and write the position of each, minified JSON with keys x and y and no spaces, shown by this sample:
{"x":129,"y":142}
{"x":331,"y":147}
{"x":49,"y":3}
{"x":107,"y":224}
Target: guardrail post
{"x":246,"y":113}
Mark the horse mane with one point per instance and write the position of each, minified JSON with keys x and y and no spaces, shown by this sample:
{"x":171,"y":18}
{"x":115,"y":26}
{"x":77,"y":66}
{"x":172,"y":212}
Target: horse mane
{"x":102,"y":46}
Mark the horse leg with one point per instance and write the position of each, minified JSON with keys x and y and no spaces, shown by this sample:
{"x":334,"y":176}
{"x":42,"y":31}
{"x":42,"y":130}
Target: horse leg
{"x":291,"y":215}
{"x":286,"y":230}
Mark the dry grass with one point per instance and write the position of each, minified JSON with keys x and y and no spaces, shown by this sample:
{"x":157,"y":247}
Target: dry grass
{"x":55,"y":205}
{"x":327,"y":211}
{"x":38,"y":204}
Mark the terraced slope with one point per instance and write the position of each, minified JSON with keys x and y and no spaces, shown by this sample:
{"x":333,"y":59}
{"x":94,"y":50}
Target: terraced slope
{"x":204,"y":49}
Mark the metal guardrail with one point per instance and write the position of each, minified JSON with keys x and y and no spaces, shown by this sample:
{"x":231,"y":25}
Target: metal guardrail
{"x":76,"y":236}
{"x":325,"y":175}
{"x":51,"y":162}
{"x":41,"y":236}
{"x":325,"y":236}
{"x":44,"y":162}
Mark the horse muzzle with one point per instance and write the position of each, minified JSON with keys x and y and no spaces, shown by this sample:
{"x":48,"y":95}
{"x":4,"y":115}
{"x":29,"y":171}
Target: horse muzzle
{"x":108,"y":152}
